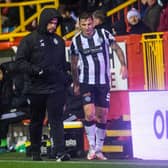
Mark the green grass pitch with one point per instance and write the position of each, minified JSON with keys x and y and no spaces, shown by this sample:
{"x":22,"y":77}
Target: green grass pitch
{"x":19,"y":160}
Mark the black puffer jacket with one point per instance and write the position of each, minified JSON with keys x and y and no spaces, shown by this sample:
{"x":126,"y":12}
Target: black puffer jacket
{"x":41,"y":50}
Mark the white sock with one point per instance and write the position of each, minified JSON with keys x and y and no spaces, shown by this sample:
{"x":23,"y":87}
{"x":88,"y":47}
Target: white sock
{"x":100,"y":136}
{"x":90,"y":133}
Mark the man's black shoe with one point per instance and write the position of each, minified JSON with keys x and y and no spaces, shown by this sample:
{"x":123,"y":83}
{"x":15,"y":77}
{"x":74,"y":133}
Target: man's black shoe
{"x":63,"y":157}
{"x":36,"y":157}
{"x":3,"y":149}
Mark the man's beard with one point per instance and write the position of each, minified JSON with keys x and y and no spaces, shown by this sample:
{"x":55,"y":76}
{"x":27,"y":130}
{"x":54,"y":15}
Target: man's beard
{"x":51,"y":31}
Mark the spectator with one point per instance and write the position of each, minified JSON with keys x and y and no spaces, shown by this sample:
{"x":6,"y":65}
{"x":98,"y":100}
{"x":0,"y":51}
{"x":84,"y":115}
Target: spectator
{"x":101,"y":21}
{"x":143,"y":6}
{"x":29,"y":11}
{"x":13,"y":19}
{"x":88,"y":5}
{"x":135,"y":22}
{"x":68,"y":22}
{"x":152,"y":15}
{"x":163,"y":23}
{"x":106,"y":5}
{"x":119,"y":27}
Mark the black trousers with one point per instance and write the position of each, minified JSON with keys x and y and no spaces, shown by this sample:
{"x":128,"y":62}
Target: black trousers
{"x":52,"y":104}
{"x":4,"y":126}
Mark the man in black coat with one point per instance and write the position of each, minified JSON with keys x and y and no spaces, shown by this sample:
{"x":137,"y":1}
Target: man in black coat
{"x":41,"y":56}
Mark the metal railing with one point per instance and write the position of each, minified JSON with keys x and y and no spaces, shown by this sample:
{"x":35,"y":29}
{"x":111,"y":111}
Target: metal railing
{"x":121,"y":7}
{"x":124,"y":6}
{"x":20,"y":30}
{"x":153,"y":61}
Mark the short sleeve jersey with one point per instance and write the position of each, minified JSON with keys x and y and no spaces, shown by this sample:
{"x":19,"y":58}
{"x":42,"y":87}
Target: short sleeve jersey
{"x":94,"y":58}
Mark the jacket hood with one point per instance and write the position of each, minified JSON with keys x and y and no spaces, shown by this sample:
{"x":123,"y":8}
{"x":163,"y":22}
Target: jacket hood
{"x":46,"y":15}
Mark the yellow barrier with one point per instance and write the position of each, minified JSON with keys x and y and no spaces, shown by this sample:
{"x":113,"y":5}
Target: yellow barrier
{"x":40,"y":4}
{"x":153,"y":61}
{"x":109,"y":13}
{"x":120,"y":7}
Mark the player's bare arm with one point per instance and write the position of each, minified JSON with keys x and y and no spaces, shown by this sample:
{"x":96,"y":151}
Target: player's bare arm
{"x":75,"y":75}
{"x":121,"y":58}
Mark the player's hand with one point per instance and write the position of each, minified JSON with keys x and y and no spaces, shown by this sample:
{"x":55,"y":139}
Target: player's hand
{"x":124,"y":72}
{"x":76,"y":89}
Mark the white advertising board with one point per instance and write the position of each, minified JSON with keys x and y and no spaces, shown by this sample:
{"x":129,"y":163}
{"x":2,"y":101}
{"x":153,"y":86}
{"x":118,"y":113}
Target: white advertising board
{"x":149,"y":124}
{"x":117,"y":83}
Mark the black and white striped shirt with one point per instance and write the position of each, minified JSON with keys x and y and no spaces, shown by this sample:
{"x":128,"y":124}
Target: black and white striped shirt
{"x":93,"y":53}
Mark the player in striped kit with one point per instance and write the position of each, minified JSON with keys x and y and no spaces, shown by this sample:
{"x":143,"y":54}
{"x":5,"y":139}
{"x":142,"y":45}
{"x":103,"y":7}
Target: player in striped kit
{"x":91,"y":76}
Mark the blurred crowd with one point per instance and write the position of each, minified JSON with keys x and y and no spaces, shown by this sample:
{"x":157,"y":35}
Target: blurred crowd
{"x":150,"y":17}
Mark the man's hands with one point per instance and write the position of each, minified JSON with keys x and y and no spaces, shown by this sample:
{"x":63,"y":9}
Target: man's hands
{"x":37,"y":71}
{"x":76,"y":89}
{"x":41,"y":72}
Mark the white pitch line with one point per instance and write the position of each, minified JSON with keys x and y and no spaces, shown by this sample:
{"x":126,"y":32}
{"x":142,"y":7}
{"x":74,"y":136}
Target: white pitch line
{"x":109,"y":162}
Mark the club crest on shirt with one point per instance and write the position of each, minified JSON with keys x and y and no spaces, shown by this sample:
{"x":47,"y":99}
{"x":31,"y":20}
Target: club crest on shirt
{"x":55,"y":41}
{"x":100,"y":40}
{"x":42,"y":44}
{"x":87,"y":99}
